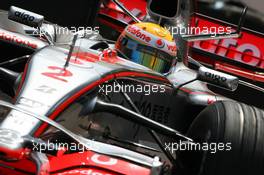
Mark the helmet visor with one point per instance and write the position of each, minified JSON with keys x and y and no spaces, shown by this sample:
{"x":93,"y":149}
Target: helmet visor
{"x":148,"y":56}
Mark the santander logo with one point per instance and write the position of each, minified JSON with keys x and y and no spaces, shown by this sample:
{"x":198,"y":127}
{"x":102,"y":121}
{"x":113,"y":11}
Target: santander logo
{"x":137,"y":32}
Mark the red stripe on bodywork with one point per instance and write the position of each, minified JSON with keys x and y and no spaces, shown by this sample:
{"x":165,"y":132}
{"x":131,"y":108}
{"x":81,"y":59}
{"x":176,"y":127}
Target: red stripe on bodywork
{"x":194,"y":92}
{"x":67,"y":102}
{"x":254,"y":76}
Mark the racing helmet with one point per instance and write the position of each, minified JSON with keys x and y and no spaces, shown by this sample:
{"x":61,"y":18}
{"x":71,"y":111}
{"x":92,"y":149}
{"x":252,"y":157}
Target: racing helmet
{"x":148,"y":44}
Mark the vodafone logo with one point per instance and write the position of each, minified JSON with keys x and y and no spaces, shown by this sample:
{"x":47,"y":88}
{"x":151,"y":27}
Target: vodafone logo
{"x":153,"y":41}
{"x":98,"y":159}
{"x":95,"y":158}
{"x":17,"y":40}
{"x":83,"y":172}
{"x":138,"y":33}
{"x":159,"y":43}
{"x":172,"y":48}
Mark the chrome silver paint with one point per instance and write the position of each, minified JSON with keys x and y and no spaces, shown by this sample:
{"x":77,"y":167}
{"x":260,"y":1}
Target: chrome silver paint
{"x":10,"y":139}
{"x":89,"y":144}
{"x":198,"y":93}
{"x":217,"y":78}
{"x":35,"y":79}
{"x":40,"y":93}
{"x":10,"y":25}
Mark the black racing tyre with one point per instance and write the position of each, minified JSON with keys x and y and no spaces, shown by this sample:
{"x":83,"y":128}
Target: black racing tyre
{"x":238,"y":128}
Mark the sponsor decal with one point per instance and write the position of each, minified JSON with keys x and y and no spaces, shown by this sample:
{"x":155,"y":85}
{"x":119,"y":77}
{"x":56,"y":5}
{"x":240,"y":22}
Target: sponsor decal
{"x":58,"y":73}
{"x":172,"y":48}
{"x":103,"y":160}
{"x":84,"y":172}
{"x":99,"y":160}
{"x":30,"y":103}
{"x":46,"y":89}
{"x":166,"y":46}
{"x":17,"y":40}
{"x":24,"y":16}
{"x":159,"y":43}
{"x":107,"y":55}
{"x":224,"y":47}
{"x":210,"y":101}
{"x":138,"y":34}
{"x":246,"y":49}
{"x":215,"y":78}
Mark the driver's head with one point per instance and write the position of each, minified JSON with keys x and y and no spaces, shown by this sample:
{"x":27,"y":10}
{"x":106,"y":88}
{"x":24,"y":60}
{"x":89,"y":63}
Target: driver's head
{"x":148,"y":44}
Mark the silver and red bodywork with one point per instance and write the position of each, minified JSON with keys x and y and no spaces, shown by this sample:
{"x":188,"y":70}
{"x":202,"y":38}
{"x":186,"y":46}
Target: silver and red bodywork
{"x":47,"y":88}
{"x":241,"y":56}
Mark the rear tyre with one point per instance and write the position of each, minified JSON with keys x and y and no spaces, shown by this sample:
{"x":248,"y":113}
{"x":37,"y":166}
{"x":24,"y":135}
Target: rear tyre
{"x":227,"y":123}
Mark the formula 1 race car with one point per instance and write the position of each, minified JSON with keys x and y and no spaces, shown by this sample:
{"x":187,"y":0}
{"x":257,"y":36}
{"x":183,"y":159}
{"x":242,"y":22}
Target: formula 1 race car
{"x":241,"y":56}
{"x":80,"y":106}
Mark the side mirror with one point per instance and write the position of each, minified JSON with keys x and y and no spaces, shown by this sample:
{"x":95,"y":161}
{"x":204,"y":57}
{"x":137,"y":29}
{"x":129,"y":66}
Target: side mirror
{"x":217,"y":78}
{"x":25,"y":17}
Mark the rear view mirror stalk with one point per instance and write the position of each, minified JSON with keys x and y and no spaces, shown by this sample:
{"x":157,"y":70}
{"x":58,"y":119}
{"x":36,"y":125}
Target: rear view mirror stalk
{"x":217,"y":78}
{"x":213,"y":77}
{"x":28,"y":18}
{"x":25,"y":17}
